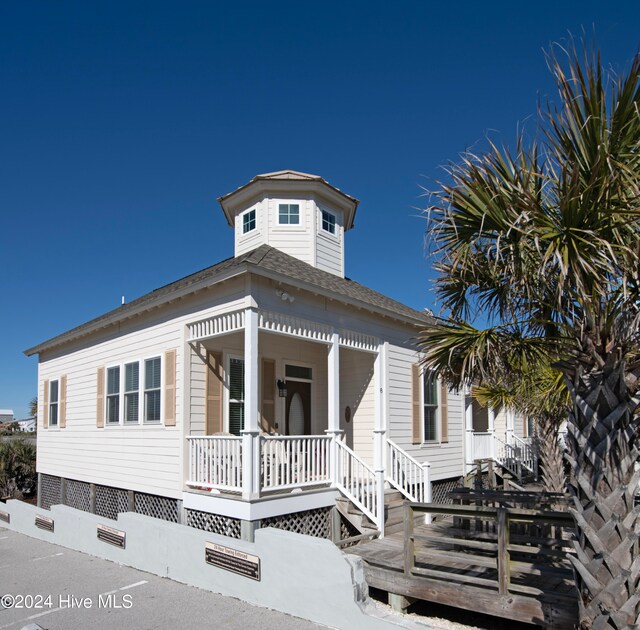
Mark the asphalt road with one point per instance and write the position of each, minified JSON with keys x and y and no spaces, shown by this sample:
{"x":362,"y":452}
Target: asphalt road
{"x":61,"y":589}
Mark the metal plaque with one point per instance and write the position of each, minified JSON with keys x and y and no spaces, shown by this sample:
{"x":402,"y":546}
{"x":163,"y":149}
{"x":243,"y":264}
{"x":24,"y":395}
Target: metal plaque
{"x":112,"y":536}
{"x":233,"y":560}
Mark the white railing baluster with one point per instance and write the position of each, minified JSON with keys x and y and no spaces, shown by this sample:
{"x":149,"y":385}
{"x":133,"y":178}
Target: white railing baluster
{"x":406,"y":474}
{"x":215,"y":461}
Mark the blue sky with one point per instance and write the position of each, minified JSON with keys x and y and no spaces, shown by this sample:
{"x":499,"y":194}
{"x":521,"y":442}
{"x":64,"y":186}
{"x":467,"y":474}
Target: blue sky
{"x":121,"y":123}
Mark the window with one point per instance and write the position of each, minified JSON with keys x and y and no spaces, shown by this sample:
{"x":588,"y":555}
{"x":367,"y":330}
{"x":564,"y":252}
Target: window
{"x":430,"y":405}
{"x":152,"y":390}
{"x":53,"y":403}
{"x":236,"y":396}
{"x":126,"y":385}
{"x":249,"y":221}
{"x":298,"y":371}
{"x":328,"y":222}
{"x":131,"y":392}
{"x":113,"y":395}
{"x":289,"y":214}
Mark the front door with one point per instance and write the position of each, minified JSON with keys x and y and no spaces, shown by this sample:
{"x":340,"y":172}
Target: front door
{"x":298,"y":408}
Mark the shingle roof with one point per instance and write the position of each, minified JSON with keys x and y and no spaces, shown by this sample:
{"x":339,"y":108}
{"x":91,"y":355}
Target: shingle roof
{"x":263,"y":260}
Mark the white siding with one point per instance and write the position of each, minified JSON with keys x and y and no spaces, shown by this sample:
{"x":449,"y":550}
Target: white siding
{"x":254,"y":238}
{"x":306,"y":241}
{"x":357,"y":392}
{"x":143,"y":458}
{"x":295,"y":240}
{"x":329,"y":247}
{"x":446,"y":459}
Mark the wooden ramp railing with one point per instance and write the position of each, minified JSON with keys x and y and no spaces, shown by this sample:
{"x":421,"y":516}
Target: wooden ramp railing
{"x":513,"y":556}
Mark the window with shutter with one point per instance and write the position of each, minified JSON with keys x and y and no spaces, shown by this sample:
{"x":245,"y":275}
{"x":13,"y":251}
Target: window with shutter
{"x":236,"y":395}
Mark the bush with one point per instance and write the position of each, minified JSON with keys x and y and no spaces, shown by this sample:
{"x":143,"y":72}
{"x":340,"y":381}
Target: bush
{"x":17,"y":468}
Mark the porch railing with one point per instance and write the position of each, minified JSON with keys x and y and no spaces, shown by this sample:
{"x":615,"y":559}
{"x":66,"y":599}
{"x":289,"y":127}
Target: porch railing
{"x":407,"y":474}
{"x":294,"y":461}
{"x":482,"y":444}
{"x":527,"y":453}
{"x":509,"y":457}
{"x":357,"y":480}
{"x":215,"y":462}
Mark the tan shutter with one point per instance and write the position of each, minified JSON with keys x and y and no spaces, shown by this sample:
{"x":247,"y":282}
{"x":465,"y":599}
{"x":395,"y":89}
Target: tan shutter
{"x":62,"y":420}
{"x":268,"y":395}
{"x":214,"y":393}
{"x":100,"y":399}
{"x":45,"y":405}
{"x":416,"y":416}
{"x":170,"y":388}
{"x":444,"y":412}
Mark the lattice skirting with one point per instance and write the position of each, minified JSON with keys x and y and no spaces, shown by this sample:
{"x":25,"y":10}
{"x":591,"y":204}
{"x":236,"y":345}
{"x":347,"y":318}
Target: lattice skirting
{"x":111,"y":501}
{"x":440,"y":489}
{"x":310,"y":522}
{"x":107,"y":501}
{"x":223,"y":525}
{"x":77,"y":494}
{"x":50,"y":491}
{"x":164,"y":508}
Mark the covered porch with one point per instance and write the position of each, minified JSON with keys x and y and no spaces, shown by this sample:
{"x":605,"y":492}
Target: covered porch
{"x":310,"y":414}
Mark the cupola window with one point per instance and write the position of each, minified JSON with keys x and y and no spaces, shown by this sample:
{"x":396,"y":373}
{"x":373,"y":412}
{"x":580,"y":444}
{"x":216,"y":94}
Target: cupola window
{"x":289,"y":214}
{"x":249,"y":221}
{"x":328,"y":222}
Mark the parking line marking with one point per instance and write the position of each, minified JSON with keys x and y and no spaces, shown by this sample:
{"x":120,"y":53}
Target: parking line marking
{"x":3,"y":537}
{"x":124,"y":588}
{"x":55,"y":555}
{"x":48,"y":612}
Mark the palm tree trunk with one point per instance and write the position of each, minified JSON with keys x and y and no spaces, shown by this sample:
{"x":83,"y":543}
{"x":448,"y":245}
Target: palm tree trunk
{"x":551,"y":455}
{"x":604,"y":445}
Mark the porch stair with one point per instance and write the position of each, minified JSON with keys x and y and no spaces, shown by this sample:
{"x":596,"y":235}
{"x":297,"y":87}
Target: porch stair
{"x":393,"y":514}
{"x":353,"y":515}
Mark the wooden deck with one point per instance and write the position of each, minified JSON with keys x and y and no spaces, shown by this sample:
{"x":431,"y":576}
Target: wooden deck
{"x":506,"y":563}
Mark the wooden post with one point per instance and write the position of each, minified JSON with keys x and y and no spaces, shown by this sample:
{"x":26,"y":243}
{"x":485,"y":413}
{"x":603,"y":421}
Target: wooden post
{"x":131,"y":501}
{"x":409,"y":542}
{"x":492,"y":476}
{"x":39,"y":498}
{"x":92,"y":498}
{"x":477,"y":483}
{"x":503,"y":551}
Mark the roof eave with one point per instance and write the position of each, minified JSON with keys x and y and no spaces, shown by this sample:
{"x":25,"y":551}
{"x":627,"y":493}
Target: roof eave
{"x":252,"y":190}
{"x":118,"y":315}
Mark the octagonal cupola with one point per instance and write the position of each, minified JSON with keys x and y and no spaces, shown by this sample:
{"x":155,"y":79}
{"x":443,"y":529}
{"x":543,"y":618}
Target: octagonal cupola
{"x":301,"y":214}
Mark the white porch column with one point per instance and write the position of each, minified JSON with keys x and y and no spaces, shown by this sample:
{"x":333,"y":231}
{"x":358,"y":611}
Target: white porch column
{"x":251,"y":431}
{"x":492,"y":430}
{"x":511,"y":416}
{"x":333,"y":402}
{"x":468,"y":417}
{"x":380,"y":427}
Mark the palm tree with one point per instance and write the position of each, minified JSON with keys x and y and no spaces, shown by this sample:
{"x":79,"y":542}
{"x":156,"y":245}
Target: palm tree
{"x":541,"y":393}
{"x":544,"y":241}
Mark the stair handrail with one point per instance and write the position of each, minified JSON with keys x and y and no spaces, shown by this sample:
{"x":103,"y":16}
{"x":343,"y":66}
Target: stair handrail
{"x":508,"y":456}
{"x":407,"y":475}
{"x":357,"y":481}
{"x":528,"y":455}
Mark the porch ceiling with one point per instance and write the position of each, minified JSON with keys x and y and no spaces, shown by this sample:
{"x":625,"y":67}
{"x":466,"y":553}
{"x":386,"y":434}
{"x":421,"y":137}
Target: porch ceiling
{"x":282,"y":324}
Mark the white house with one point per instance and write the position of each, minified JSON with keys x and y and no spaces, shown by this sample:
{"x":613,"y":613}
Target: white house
{"x":255,"y":392}
{"x":27,"y":425}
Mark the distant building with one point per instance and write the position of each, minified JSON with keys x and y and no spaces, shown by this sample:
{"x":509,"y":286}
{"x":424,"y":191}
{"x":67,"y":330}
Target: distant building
{"x":27,"y":425}
{"x":6,"y":415}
